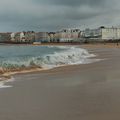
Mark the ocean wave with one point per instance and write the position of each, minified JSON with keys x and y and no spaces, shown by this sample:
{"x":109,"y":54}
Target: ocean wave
{"x":60,"y":47}
{"x":68,"y":56}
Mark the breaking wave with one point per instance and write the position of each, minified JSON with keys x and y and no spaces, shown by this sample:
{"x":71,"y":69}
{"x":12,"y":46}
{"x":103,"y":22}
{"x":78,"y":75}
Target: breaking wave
{"x":68,"y":56}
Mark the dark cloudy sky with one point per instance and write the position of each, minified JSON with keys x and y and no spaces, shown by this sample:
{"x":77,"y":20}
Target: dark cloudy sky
{"x":51,"y":15}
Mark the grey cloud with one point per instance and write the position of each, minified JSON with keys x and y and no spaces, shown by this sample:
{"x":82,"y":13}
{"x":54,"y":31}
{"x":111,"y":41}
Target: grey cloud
{"x":52,"y":15}
{"x":82,"y":2}
{"x":73,"y":2}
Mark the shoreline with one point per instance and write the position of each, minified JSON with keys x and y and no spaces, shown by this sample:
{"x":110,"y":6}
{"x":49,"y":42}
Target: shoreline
{"x":37,"y":69}
{"x":7,"y":75}
{"x":62,"y":43}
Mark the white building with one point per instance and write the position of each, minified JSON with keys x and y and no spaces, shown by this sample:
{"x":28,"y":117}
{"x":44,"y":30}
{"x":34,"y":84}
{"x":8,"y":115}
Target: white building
{"x":92,"y":33}
{"x":103,"y":33}
{"x":22,"y":37}
{"x":13,"y":37}
{"x":110,"y":33}
{"x":41,"y":37}
{"x":67,"y":35}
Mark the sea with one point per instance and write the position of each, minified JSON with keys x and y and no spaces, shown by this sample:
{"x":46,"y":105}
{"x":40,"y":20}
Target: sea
{"x":13,"y":58}
{"x":24,"y":57}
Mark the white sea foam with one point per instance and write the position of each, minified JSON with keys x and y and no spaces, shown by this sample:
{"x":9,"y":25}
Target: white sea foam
{"x":3,"y":83}
{"x":71,"y":56}
{"x":60,"y":47}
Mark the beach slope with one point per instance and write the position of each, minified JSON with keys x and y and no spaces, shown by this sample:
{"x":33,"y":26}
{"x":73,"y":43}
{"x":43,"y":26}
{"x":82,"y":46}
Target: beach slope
{"x":79,"y":92}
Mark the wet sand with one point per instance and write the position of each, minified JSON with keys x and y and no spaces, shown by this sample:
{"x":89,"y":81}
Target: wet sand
{"x":80,"y":92}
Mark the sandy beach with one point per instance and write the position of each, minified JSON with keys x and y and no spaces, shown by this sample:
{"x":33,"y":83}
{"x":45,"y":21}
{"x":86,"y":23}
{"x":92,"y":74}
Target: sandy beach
{"x":79,"y":92}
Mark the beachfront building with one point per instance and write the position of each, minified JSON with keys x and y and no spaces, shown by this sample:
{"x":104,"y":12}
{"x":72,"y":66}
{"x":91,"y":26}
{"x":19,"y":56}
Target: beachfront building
{"x":68,"y":35}
{"x":51,"y":37}
{"x":112,"y":33}
{"x":29,"y":37}
{"x":102,"y":34}
{"x":15,"y":37}
{"x":41,"y":37}
{"x":92,"y":33}
{"x":5,"y":37}
{"x":12,"y":37}
{"x":23,"y":37}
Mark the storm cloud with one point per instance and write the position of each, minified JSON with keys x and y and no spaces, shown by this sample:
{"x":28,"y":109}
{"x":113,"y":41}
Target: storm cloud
{"x":52,"y":15}
{"x":72,"y":2}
